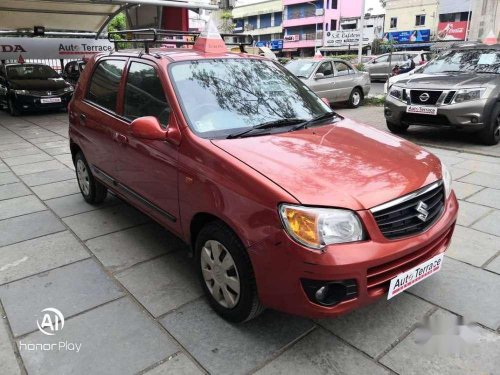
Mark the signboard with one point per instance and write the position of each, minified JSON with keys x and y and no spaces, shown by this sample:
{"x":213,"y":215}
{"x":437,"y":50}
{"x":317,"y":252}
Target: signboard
{"x":342,"y":38}
{"x":291,"y":38}
{"x":452,"y":30}
{"x":276,"y":44}
{"x":408,"y":36}
{"x":52,"y":48}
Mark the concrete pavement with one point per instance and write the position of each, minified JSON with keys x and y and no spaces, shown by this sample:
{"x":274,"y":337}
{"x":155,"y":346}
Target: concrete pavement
{"x":130,"y":298}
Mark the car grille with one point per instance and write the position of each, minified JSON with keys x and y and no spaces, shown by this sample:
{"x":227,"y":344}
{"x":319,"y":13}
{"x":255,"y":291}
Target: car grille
{"x":407,"y":218}
{"x":380,"y":276}
{"x":421,"y":119}
{"x":46,"y":92}
{"x":433,"y":96}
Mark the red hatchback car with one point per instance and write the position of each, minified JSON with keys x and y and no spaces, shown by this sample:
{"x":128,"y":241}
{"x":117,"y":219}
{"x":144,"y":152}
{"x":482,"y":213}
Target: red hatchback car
{"x":285,"y":204}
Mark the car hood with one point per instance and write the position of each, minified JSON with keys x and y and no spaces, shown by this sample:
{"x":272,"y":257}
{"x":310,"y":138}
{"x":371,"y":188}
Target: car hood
{"x":341,"y":165}
{"x":38,"y":84}
{"x":448,"y":80}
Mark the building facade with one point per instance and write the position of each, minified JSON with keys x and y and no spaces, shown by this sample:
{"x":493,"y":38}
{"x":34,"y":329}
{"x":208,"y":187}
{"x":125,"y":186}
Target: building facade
{"x":486,"y":19}
{"x":411,"y":23}
{"x":306,"y":22}
{"x":261,"y":20}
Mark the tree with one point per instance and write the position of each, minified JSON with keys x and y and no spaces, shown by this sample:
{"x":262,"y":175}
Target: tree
{"x":118,"y":23}
{"x":227,"y":25}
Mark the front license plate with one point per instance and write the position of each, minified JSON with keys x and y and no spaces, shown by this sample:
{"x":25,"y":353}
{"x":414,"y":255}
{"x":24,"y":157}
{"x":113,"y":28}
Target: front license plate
{"x":421,"y":110}
{"x":50,"y":100}
{"x":411,"y":277}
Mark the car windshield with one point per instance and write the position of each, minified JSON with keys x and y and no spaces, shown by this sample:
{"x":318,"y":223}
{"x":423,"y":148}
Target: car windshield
{"x":27,"y":71}
{"x":478,"y":60}
{"x":222,"y":96}
{"x":301,"y":68}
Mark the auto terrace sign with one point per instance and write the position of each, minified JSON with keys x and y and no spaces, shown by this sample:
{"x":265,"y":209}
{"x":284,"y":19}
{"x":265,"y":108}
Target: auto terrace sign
{"x":52,"y":48}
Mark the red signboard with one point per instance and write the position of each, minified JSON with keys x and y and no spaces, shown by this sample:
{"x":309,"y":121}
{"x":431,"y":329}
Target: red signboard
{"x":452,"y":30}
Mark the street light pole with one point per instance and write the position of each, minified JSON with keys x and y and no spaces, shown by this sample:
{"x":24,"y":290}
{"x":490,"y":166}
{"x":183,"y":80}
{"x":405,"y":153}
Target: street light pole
{"x":361,"y":26}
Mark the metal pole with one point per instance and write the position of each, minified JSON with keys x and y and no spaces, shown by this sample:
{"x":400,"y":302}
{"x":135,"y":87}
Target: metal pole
{"x":361,"y":26}
{"x":468,"y":21}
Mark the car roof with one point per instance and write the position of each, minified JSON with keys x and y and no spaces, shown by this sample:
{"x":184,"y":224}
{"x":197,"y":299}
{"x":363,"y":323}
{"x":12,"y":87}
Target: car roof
{"x":473,"y":46}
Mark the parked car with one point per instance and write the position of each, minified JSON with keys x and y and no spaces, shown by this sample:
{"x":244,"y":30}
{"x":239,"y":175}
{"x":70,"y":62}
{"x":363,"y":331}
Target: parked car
{"x":333,"y":79}
{"x":285,"y":204}
{"x":380,"y":67}
{"x":399,"y":77}
{"x":29,"y":87}
{"x":72,"y":71}
{"x":459,"y":89}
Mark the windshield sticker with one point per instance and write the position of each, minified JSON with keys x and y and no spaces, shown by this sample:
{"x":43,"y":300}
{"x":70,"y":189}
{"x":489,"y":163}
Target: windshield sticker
{"x":487,"y":59}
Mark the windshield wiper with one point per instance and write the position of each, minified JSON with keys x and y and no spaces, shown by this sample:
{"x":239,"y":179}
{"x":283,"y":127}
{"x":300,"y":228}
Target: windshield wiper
{"x":324,"y":116}
{"x":267,"y":125}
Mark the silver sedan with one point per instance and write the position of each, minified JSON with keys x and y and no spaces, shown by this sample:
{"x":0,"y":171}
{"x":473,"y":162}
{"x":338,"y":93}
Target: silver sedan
{"x":334,"y":79}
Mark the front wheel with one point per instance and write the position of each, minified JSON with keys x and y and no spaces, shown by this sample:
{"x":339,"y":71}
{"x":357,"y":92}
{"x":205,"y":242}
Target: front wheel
{"x":397,"y":128}
{"x":490,"y":135}
{"x":355,"y":98}
{"x":226,"y":273}
{"x":92,"y":190}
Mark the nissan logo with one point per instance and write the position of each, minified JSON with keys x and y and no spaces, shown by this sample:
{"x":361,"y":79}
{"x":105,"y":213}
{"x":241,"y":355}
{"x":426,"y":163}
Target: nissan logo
{"x":424,"y":97}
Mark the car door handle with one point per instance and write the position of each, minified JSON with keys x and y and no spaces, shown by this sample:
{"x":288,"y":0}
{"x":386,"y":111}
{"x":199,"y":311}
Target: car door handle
{"x":83,"y":119}
{"x":120,"y":138}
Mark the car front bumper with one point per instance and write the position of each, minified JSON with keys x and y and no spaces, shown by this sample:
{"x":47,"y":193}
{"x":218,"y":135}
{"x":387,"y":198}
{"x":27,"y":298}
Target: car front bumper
{"x":34,"y":103}
{"x":463,"y":116}
{"x":281,"y":265}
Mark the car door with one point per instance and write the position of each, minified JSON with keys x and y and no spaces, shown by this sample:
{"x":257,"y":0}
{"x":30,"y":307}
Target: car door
{"x":344,"y":80}
{"x":324,"y":86}
{"x":96,"y":115}
{"x":147,"y":170}
{"x":378,"y":68}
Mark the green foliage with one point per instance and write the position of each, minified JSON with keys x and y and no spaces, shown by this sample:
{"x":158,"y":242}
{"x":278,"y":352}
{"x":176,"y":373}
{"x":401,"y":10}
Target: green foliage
{"x":376,"y":46}
{"x":118,"y":23}
{"x":227,"y":25}
{"x":375,"y":101}
{"x":360,"y":67}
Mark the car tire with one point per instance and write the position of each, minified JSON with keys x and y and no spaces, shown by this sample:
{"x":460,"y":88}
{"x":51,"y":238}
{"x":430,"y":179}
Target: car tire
{"x":356,"y":98}
{"x":397,"y":128}
{"x":92,"y":190}
{"x":229,"y":283}
{"x":490,"y":135}
{"x":12,"y":109}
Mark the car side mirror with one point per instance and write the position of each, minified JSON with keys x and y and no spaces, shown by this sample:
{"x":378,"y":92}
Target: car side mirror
{"x":319,"y":76}
{"x":148,"y":127}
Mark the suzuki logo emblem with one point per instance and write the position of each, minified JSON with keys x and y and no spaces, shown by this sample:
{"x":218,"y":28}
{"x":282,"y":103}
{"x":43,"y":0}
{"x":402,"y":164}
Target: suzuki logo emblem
{"x":422,"y":210}
{"x":424,"y":97}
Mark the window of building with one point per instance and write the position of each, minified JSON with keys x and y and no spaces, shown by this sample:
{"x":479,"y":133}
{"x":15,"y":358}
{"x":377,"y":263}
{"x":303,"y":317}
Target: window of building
{"x":334,"y":4}
{"x":144,"y":95}
{"x":420,"y":20}
{"x":104,"y":84}
{"x":333,"y":25}
{"x":278,"y":18}
{"x":265,"y":20}
{"x":464,"y":16}
{"x":394,"y":22}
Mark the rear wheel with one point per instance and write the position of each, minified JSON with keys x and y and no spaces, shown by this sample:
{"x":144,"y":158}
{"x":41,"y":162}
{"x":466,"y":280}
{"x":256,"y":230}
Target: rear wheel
{"x":355,"y":98}
{"x":491,"y":135}
{"x":226,"y":273}
{"x":92,"y":190}
{"x":397,"y":128}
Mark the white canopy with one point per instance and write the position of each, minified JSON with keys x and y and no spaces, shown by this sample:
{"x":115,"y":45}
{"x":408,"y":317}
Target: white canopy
{"x":75,"y":15}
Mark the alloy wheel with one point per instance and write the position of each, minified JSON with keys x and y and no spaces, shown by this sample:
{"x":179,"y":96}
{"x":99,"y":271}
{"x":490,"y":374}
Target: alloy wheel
{"x":83,"y":177}
{"x":220,"y":273}
{"x":356,"y":98}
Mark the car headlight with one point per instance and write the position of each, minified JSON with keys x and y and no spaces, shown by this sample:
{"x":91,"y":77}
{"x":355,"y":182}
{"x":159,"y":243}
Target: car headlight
{"x":318,"y":227}
{"x":21,"y":92}
{"x":465,"y":95}
{"x":397,"y":92}
{"x":68,"y":89}
{"x":445,"y":173}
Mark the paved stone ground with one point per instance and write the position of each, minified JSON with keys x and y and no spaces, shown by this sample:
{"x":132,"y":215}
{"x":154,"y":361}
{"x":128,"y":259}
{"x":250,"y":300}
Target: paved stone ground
{"x":130,"y":299}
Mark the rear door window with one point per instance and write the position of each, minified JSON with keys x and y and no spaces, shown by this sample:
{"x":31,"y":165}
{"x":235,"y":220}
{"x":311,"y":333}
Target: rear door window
{"x":105,"y":82}
{"x":144,"y":95}
{"x":343,"y":69}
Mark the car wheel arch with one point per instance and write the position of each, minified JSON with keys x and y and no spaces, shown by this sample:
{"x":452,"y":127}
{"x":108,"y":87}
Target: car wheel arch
{"x":74,"y":148}
{"x":200,"y":220}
